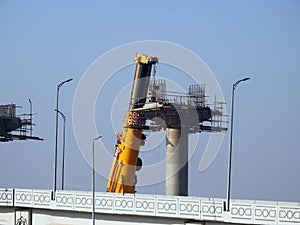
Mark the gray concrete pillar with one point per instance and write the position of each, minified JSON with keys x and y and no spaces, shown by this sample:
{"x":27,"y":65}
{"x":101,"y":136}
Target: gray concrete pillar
{"x":176,"y":162}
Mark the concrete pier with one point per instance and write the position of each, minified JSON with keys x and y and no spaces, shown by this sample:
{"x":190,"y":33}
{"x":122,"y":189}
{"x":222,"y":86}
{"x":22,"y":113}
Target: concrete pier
{"x":176,"y":161}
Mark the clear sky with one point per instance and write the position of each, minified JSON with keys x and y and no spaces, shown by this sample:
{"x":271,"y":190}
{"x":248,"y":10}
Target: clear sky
{"x":45,"y":42}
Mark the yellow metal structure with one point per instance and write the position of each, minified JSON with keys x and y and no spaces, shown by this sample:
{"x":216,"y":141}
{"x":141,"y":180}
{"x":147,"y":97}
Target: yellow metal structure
{"x":122,"y":178}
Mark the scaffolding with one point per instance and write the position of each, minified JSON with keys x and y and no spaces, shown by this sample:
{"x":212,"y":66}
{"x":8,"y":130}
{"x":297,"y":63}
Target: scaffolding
{"x":8,"y":110}
{"x":197,"y":94}
{"x":157,"y":90}
{"x":16,"y":127}
{"x":211,"y":117}
{"x":219,"y":118}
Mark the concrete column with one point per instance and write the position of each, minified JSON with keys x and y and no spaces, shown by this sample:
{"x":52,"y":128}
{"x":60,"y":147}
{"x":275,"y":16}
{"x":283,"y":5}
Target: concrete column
{"x":176,"y":162}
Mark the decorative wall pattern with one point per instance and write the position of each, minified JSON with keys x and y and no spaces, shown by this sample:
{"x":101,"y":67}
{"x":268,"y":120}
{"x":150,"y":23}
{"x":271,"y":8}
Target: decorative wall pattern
{"x":242,"y":211}
{"x":6,"y":197}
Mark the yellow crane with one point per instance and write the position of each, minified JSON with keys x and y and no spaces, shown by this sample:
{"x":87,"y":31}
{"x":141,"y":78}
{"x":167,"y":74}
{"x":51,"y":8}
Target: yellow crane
{"x":122,"y":178}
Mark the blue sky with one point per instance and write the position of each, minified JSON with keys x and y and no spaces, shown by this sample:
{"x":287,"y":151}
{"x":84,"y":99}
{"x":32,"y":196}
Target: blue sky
{"x":45,"y":42}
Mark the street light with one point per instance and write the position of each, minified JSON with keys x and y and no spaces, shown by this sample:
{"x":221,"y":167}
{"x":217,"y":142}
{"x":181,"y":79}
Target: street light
{"x":230,"y":143}
{"x":56,"y":131}
{"x":93,"y":177}
{"x":64,"y":144}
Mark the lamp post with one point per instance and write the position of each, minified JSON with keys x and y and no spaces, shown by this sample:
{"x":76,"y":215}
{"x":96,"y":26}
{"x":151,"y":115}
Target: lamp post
{"x":93,"y":177}
{"x":63,"y":157}
{"x":56,"y":131}
{"x":230,"y":143}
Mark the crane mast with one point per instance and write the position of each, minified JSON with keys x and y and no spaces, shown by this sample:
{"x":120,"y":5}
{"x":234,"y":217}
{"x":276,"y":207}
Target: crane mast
{"x":122,"y":178}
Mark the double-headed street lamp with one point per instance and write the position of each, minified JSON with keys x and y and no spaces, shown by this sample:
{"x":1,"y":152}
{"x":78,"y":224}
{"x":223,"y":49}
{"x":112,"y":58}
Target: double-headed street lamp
{"x":56,"y":133}
{"x":230,"y":143}
{"x":93,"y":177}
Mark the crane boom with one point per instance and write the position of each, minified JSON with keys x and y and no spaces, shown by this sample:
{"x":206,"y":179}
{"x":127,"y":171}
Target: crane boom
{"x":122,"y":178}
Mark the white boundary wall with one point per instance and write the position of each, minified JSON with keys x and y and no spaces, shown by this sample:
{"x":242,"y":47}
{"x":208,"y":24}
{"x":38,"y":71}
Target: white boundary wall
{"x":164,"y":207}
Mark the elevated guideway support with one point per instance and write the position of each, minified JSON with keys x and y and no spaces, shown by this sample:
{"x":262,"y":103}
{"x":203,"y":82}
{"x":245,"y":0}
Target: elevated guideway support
{"x":179,"y":116}
{"x":177,"y":161}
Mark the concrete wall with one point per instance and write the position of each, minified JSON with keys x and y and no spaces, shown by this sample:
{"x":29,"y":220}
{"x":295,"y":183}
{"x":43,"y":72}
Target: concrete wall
{"x":72,"y":206}
{"x":6,"y":216}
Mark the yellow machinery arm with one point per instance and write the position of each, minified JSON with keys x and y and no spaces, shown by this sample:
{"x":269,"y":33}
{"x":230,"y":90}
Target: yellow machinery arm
{"x":122,"y":178}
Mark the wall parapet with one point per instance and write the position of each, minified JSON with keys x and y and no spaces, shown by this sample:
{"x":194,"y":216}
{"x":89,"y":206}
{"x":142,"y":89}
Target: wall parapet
{"x":193,"y":208}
